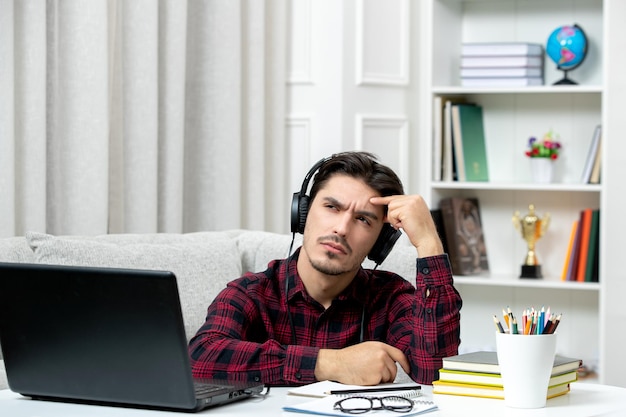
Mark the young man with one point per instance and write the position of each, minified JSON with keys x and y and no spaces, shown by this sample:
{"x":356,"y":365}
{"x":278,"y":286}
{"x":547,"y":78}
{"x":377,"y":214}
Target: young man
{"x":318,"y":314}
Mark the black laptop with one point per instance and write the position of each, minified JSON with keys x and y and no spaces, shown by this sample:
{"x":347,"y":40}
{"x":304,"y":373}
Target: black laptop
{"x":101,"y":335}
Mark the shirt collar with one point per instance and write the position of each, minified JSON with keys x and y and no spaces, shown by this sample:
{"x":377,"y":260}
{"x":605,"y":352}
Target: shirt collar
{"x":357,"y":290}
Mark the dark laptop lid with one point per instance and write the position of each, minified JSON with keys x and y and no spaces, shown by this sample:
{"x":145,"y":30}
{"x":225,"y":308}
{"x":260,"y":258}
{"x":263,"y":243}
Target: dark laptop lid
{"x":95,"y":334}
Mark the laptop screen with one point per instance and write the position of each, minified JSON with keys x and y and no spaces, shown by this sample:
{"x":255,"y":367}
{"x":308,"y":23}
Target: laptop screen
{"x":95,"y":334}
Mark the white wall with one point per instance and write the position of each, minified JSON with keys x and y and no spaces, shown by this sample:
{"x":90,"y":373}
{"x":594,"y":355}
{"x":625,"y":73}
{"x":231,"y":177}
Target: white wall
{"x":352,"y":82}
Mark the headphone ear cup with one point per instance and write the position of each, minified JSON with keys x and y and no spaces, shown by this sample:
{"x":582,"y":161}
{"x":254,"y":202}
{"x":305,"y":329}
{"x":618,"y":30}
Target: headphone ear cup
{"x":303,"y":212}
{"x":295,"y":213}
{"x":384,"y":244}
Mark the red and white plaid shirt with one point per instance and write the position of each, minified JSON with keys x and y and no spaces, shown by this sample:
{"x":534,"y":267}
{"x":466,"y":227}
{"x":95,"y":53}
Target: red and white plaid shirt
{"x":248,"y":336}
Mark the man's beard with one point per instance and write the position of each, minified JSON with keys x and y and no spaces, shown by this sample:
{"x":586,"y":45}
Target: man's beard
{"x":325,"y":266}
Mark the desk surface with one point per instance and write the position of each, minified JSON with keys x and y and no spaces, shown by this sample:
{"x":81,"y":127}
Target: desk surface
{"x":584,"y":400}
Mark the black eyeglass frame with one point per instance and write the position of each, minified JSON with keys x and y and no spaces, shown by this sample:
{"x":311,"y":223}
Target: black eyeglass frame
{"x":405,"y":405}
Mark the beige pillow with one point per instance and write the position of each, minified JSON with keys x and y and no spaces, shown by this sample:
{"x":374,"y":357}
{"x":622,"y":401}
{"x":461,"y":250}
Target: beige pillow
{"x":202,"y":262}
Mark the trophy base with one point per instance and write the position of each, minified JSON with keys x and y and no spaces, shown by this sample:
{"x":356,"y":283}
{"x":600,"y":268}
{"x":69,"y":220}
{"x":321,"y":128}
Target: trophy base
{"x":531,"y":271}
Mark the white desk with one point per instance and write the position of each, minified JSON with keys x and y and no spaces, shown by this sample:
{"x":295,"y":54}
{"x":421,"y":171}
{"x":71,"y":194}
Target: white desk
{"x":584,"y":400}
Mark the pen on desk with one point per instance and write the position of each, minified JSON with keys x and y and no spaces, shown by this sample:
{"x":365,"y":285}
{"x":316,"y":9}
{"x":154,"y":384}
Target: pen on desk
{"x":374,"y":389}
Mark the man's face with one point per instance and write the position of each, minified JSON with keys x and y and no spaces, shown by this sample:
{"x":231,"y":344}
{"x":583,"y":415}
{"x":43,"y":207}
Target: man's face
{"x":342,"y":225}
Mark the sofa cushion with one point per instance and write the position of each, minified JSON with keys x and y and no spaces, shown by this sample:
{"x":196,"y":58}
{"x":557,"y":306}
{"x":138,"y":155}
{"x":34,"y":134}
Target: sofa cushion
{"x":202,"y":262}
{"x":259,"y":248}
{"x":15,"y":249}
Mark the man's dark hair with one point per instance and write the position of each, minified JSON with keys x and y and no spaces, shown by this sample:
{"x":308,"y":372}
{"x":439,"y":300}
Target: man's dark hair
{"x":361,"y":165}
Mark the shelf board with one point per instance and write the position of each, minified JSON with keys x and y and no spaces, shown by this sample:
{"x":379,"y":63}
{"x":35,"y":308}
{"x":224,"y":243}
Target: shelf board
{"x":525,"y":283}
{"x":543,"y":89}
{"x":512,"y":186}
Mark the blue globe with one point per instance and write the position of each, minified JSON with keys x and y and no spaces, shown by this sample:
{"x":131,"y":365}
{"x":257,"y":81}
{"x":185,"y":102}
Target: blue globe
{"x":567,"y":47}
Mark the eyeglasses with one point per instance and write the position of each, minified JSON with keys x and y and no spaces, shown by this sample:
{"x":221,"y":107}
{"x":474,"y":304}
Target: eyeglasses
{"x":360,"y":405}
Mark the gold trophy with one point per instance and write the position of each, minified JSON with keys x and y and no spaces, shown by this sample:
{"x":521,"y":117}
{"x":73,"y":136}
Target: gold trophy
{"x":532,"y":228}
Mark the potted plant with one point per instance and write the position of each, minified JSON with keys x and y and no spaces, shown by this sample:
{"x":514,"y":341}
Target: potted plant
{"x":542,"y":154}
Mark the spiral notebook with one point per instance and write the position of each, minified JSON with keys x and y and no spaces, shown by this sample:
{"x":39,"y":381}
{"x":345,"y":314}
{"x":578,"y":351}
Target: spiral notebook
{"x":325,"y":402}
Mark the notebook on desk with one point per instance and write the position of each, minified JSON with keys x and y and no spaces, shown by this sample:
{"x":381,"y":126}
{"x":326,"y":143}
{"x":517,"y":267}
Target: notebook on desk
{"x":101,"y":335}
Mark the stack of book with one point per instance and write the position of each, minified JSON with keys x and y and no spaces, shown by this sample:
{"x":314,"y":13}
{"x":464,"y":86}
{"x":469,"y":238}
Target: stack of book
{"x":501,"y":64}
{"x":477,"y":374}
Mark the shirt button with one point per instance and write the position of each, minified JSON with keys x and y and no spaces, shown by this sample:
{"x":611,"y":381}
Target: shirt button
{"x":425,"y":270}
{"x":429,"y":310}
{"x":257,"y":379}
{"x":298,"y":375}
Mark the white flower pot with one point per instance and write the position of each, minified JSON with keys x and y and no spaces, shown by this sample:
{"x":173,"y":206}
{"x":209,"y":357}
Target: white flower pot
{"x":541,"y":169}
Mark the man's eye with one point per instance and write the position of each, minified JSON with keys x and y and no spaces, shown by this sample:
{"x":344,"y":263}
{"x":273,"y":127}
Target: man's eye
{"x":364,"y":220}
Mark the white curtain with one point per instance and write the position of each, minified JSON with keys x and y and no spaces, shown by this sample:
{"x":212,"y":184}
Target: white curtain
{"x":137,"y":116}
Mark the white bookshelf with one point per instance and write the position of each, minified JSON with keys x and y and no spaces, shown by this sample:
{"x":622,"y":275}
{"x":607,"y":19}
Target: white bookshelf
{"x":511,"y":116}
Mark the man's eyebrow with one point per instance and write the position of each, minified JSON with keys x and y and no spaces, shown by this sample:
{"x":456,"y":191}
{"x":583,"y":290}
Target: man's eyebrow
{"x":337,"y":203}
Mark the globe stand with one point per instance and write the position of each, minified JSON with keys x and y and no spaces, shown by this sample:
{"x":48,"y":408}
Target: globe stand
{"x":565,"y":80}
{"x":567,"y":46}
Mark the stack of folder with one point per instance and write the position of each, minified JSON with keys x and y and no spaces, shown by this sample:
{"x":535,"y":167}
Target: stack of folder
{"x":477,"y":374}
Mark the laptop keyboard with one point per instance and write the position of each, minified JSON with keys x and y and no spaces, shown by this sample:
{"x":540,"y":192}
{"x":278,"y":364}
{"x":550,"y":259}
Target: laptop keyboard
{"x":204,"y":390}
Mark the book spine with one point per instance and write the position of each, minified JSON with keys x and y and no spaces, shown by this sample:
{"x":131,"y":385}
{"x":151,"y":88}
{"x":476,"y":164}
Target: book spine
{"x":585,"y":225}
{"x":457,"y":143}
{"x":501,"y":49}
{"x":502,"y":82}
{"x":570,"y":248}
{"x":447,"y":215}
{"x":591,"y":155}
{"x":593,"y":244}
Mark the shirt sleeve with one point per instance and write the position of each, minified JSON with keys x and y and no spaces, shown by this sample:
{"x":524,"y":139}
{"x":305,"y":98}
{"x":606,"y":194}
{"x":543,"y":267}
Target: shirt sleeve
{"x":236,"y":343}
{"x":436,"y":327}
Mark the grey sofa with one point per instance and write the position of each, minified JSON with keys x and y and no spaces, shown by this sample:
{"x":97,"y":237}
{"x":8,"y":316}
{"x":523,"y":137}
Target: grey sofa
{"x":203,"y":262}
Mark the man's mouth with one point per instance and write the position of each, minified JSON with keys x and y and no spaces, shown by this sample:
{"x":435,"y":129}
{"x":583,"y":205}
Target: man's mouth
{"x":334,"y":244}
{"x":332,"y":247}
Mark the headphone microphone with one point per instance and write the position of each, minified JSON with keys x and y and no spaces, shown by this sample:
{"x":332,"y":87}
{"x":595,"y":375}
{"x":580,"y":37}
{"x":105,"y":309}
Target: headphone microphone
{"x":300,"y":208}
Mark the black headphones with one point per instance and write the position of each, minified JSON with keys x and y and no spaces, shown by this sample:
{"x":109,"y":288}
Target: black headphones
{"x":300,"y":209}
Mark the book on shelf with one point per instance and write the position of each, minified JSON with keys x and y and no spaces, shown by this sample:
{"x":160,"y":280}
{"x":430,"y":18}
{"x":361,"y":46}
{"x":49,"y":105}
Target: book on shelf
{"x":443,"y":157}
{"x":585,"y":232}
{"x":501,"y":61}
{"x":483,"y":391}
{"x":581,"y":260}
{"x":495,"y":380}
{"x":470,"y":151}
{"x":590,"y":161}
{"x":597,"y":164}
{"x":438,"y":219}
{"x":501,"y":49}
{"x":502,"y":82}
{"x":570,"y":249}
{"x":501,"y":72}
{"x":464,"y":235}
{"x":437,"y":151}
{"x":487,"y":362}
{"x":591,"y":271}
